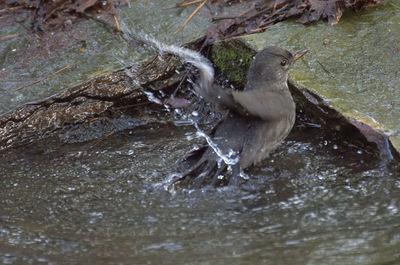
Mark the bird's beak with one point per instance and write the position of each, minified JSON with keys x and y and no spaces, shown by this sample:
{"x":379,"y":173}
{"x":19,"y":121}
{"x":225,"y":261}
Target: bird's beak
{"x":297,"y":55}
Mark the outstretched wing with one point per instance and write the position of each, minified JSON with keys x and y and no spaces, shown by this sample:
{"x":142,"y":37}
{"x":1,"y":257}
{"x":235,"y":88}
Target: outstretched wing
{"x":266,"y":105}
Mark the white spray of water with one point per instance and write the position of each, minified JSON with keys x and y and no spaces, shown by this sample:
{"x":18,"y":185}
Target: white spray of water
{"x":231,"y":158}
{"x":152,"y":98}
{"x":187,"y":55}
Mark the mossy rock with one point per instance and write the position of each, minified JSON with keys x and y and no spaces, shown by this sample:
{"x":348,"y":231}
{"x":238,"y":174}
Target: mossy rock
{"x":233,"y":58}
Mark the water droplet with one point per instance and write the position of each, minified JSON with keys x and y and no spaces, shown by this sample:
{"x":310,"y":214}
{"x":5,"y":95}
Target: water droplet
{"x":335,"y":147}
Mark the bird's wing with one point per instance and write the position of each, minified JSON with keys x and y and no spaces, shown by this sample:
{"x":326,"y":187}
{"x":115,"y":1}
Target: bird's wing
{"x":267,"y":105}
{"x":222,"y":98}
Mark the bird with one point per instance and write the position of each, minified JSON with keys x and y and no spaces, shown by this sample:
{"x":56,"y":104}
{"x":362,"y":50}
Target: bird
{"x":258,"y":118}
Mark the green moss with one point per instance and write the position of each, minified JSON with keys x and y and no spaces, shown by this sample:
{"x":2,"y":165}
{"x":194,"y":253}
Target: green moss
{"x":233,"y":58}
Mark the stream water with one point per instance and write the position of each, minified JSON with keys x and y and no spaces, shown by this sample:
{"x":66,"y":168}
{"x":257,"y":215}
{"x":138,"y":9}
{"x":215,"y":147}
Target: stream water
{"x":317,"y":200}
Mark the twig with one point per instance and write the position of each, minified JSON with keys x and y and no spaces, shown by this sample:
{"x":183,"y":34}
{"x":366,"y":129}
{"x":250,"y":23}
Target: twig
{"x":260,"y":28}
{"x":275,"y":4}
{"x":254,"y":15}
{"x":103,"y":138}
{"x":247,"y":11}
{"x":394,"y":5}
{"x":183,"y":4}
{"x":9,"y":37}
{"x":10,"y":9}
{"x":262,"y":11}
{"x":274,"y":12}
{"x":45,"y":77}
{"x":215,"y":19}
{"x":55,"y":9}
{"x":324,"y":68}
{"x":191,"y":16}
{"x":114,"y":14}
{"x":117,"y":23}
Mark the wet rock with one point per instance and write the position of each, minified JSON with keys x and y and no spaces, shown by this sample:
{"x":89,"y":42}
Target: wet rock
{"x":92,"y":48}
{"x":310,"y":105}
{"x":91,"y":100}
{"x":350,"y":65}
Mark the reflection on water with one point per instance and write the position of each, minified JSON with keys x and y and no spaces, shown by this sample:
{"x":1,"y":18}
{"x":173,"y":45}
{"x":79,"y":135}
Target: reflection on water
{"x":315,"y":201}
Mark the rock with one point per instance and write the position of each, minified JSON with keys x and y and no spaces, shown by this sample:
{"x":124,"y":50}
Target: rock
{"x":88,"y":101}
{"x":92,"y":47}
{"x":49,"y":100}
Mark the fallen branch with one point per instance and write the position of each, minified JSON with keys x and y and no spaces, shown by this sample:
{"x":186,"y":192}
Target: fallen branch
{"x":183,"y":4}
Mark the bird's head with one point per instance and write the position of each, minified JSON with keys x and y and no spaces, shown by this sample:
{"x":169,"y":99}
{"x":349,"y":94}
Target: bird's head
{"x":272,"y":64}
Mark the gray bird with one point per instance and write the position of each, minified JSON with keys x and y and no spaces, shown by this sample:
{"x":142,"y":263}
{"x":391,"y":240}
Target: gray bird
{"x":258,"y":119}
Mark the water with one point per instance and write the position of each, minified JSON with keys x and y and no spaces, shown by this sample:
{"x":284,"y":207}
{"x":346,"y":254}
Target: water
{"x":100,"y":203}
{"x":319,"y":199}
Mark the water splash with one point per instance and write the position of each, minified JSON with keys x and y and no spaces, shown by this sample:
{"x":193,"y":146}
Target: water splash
{"x":189,"y":56}
{"x":152,"y":98}
{"x":232,"y":158}
{"x":206,"y":82}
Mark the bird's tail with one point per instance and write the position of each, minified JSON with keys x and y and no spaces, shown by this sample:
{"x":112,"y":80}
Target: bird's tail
{"x":202,"y":167}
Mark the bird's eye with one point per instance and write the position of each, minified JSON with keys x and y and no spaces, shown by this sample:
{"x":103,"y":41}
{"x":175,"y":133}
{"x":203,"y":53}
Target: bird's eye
{"x":284,"y":62}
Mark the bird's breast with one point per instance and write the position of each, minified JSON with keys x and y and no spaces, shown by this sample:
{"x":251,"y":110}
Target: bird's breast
{"x":264,"y":138}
